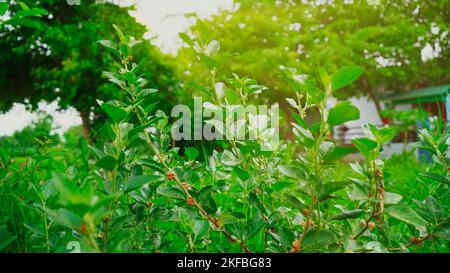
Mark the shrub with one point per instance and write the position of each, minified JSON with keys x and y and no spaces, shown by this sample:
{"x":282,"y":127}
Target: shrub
{"x":136,"y":193}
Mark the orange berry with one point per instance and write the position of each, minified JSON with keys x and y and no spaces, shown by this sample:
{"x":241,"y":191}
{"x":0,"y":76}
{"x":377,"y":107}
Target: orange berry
{"x":190,"y":201}
{"x":371,"y":225}
{"x":83,"y":228}
{"x":186,"y":186}
{"x":306,"y":212}
{"x":170,"y":176}
{"x":296,"y":246}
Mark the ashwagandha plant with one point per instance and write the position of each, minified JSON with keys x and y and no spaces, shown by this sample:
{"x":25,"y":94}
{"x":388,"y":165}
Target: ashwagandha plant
{"x":120,"y":112}
{"x":140,"y":193}
{"x":313,"y":170}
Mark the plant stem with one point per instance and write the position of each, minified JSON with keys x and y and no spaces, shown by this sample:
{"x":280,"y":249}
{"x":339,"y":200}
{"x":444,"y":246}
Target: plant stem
{"x":213,"y":221}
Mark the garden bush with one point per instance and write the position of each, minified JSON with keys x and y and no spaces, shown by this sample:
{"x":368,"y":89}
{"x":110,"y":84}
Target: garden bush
{"x":140,"y":193}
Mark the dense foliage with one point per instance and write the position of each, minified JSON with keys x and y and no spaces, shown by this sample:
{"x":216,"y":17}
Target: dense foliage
{"x":137,"y":192}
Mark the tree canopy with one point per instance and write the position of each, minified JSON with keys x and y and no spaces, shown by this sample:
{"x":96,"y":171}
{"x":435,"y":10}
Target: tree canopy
{"x":63,"y":61}
{"x":397,"y":42}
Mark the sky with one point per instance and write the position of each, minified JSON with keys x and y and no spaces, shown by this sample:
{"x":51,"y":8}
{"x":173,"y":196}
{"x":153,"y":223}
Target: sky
{"x":164,"y":18}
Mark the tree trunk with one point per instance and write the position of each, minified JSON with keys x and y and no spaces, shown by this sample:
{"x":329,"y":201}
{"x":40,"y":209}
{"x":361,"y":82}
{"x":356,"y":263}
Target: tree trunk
{"x":86,"y":124}
{"x":405,"y":141}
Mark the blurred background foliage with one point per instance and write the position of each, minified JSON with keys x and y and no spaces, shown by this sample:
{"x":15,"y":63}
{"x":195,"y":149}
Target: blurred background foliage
{"x":385,"y":39}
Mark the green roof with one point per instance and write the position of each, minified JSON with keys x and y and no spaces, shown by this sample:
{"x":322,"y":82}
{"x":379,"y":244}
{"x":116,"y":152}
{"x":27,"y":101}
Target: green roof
{"x":429,"y":94}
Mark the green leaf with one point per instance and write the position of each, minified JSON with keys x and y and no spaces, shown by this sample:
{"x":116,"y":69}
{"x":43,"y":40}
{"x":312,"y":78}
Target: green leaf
{"x":348,"y":214}
{"x":229,"y":159}
{"x":23,"y":5}
{"x":188,"y":40}
{"x":253,"y":228}
{"x":241,"y":173}
{"x":345,"y":76}
{"x":210,"y":62}
{"x":291,"y":171}
{"x":3,"y":8}
{"x":171,"y":192}
{"x":200,"y":229}
{"x":331,"y":187}
{"x":316,"y":239}
{"x":111,"y":46}
{"x":407,"y":215}
{"x":326,"y":148}
{"x":339,"y":152}
{"x":114,"y":111}
{"x":107,"y":162}
{"x":147,"y":92}
{"x":316,"y":95}
{"x":64,"y":217}
{"x":286,"y":237}
{"x":442,"y":233}
{"x":342,"y":112}
{"x":294,"y":201}
{"x":5,"y":237}
{"x":253,"y":199}
{"x":364,"y":145}
{"x":67,"y":190}
{"x":119,"y":33}
{"x":212,"y":48}
{"x":203,"y":31}
{"x":436,"y":177}
{"x":391,"y":198}
{"x":324,"y":77}
{"x":138,"y":181}
{"x":191,"y":153}
{"x":36,"y":12}
{"x":23,"y":22}
{"x":304,"y":135}
{"x":281,"y":185}
{"x":436,"y":212}
{"x":206,"y":200}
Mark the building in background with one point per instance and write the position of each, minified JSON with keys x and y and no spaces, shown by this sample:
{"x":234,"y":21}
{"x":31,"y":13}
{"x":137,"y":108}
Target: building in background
{"x":433,"y":101}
